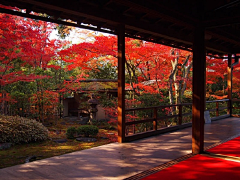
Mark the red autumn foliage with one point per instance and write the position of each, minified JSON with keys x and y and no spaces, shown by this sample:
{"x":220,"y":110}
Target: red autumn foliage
{"x":24,"y":43}
{"x":25,"y":46}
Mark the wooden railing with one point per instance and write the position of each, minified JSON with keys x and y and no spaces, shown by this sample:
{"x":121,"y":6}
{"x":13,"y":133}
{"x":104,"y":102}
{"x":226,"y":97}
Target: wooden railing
{"x":236,"y":107}
{"x":155,"y":121}
{"x":222,"y":108}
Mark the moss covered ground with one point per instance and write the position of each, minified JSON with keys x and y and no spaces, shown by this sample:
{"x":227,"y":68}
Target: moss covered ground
{"x":18,"y":153}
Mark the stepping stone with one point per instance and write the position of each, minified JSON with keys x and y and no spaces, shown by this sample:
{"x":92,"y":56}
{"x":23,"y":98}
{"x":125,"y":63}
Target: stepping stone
{"x":60,"y":140}
{"x":30,"y":159}
{"x":86,"y":139}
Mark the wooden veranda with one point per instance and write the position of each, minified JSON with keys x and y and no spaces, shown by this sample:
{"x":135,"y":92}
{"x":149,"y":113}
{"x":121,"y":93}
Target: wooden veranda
{"x":203,"y":27}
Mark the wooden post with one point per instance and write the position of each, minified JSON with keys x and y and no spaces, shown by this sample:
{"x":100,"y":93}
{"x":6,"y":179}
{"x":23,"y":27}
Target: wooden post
{"x":121,"y":83}
{"x":155,"y":119}
{"x":229,"y":83}
{"x":199,"y":81}
{"x":217,"y":109}
{"x":134,"y":129}
{"x":180,"y":115}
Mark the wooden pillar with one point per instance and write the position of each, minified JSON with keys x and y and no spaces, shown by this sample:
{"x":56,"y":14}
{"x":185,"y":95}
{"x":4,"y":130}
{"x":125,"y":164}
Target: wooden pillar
{"x":199,"y":90}
{"x":229,"y":83}
{"x":121,"y":83}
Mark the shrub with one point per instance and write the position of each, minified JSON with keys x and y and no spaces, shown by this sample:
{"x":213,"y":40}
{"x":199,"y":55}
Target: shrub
{"x":71,"y":131}
{"x":15,"y":129}
{"x":87,"y":130}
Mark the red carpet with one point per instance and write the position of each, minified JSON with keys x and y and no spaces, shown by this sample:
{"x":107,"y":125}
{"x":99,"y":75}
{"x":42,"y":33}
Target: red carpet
{"x":229,"y":148}
{"x":200,"y":167}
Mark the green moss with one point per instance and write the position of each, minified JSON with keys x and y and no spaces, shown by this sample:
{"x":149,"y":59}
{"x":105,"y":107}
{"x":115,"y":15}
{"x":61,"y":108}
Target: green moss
{"x":18,"y":153}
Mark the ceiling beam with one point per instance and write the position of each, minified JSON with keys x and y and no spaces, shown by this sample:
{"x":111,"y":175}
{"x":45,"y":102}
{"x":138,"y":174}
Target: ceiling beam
{"x":106,"y":16}
{"x":111,"y":19}
{"x":228,"y":5}
{"x":226,"y":38}
{"x":220,"y":22}
{"x":2,"y":10}
{"x":161,"y":12}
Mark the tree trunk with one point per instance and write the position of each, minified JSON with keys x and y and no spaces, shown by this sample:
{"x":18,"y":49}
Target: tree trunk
{"x":172,"y":79}
{"x":179,"y":85}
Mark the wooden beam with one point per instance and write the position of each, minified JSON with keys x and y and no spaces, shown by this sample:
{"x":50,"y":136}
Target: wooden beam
{"x":199,"y":83}
{"x":229,"y":83}
{"x":225,"y":36}
{"x":161,"y":11}
{"x":2,"y":10}
{"x":103,"y":15}
{"x":121,"y":83}
{"x":222,"y":21}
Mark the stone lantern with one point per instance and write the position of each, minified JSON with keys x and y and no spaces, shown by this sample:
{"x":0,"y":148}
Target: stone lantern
{"x":93,"y":108}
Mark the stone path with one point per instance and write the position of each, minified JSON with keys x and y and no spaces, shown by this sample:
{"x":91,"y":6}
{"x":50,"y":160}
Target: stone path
{"x":119,"y":161}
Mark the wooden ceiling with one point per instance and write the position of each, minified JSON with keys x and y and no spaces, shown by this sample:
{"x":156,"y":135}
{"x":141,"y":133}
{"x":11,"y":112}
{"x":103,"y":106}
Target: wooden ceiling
{"x":169,"y":22}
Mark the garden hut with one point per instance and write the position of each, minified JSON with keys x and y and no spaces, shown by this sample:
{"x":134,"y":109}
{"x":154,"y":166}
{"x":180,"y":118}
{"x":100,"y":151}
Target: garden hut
{"x":76,"y":104}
